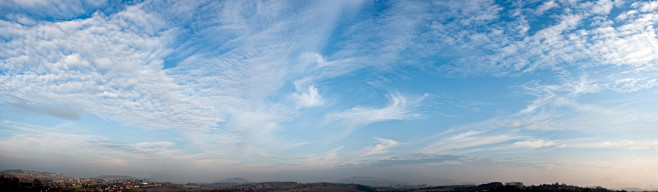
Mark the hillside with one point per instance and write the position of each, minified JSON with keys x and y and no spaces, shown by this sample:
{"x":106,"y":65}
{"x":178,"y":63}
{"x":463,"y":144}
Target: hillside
{"x":26,"y":174}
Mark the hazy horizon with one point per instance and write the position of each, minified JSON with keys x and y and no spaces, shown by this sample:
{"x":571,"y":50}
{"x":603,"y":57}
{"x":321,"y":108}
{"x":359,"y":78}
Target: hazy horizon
{"x":256,"y":177}
{"x":537,"y":91}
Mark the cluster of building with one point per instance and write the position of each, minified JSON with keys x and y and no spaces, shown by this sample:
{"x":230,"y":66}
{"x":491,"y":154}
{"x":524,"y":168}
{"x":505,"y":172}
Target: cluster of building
{"x":21,"y":180}
{"x":87,"y":184}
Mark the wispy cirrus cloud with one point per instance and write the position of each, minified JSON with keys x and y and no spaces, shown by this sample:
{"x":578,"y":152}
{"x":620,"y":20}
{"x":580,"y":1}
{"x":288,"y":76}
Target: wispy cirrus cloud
{"x":420,"y":159}
{"x":534,"y":143}
{"x":508,"y":48}
{"x":614,"y":143}
{"x":531,"y":125}
{"x":466,"y":140}
{"x":381,"y":148}
{"x":399,"y":108}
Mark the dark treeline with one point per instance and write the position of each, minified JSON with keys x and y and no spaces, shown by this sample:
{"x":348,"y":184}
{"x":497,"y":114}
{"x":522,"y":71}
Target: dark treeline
{"x":516,"y":187}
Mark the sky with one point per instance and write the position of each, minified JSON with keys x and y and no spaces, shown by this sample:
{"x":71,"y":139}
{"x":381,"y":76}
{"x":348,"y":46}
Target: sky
{"x":436,"y":92}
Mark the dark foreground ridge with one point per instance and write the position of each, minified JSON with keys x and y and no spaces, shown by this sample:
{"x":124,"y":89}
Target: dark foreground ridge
{"x":22,"y":180}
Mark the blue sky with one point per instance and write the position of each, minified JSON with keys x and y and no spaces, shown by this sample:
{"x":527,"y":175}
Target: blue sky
{"x":437,"y":92}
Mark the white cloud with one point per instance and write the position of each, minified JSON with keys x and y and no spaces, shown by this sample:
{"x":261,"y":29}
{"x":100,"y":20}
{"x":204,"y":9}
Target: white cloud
{"x":546,"y":6}
{"x":309,"y":98}
{"x":646,"y":6}
{"x":101,"y":66}
{"x":399,"y":108}
{"x":640,"y":144}
{"x":466,"y":140}
{"x":329,"y":159}
{"x":544,"y":126}
{"x":534,"y":143}
{"x":365,"y":155}
{"x":633,"y":84}
{"x":229,"y":71}
{"x":228,"y":138}
{"x":157,"y":145}
{"x":580,"y":37}
{"x":55,"y":9}
{"x":381,"y":148}
{"x":602,"y":7}
{"x":332,"y":158}
{"x":557,"y":106}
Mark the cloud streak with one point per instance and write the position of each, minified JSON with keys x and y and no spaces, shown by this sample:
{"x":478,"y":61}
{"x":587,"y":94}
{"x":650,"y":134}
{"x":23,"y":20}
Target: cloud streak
{"x":466,"y":140}
{"x":399,"y":108}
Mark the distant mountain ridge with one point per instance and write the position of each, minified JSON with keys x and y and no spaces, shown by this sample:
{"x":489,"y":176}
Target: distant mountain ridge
{"x":371,"y":181}
{"x":238,"y":180}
